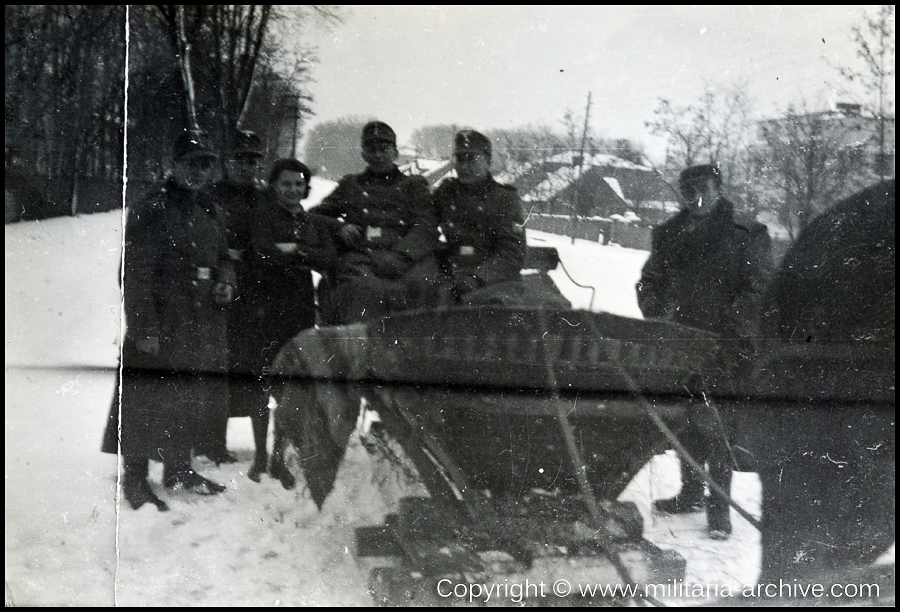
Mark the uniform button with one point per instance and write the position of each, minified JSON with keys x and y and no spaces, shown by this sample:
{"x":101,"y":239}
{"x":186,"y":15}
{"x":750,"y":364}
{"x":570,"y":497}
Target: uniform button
{"x":193,"y":244}
{"x":365,"y":211}
{"x":194,"y":283}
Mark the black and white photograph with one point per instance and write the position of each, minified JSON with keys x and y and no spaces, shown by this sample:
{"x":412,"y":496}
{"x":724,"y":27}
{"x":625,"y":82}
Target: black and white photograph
{"x":443,"y":305}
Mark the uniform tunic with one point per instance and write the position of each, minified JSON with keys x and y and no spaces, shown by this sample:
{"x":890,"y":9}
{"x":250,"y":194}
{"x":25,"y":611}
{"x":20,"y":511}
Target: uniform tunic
{"x":175,"y":252}
{"x":395,"y":215}
{"x":482,"y":224}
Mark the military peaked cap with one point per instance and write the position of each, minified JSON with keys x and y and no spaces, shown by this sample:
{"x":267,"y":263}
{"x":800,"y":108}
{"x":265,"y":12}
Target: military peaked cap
{"x":697,"y":174}
{"x":247,"y":143}
{"x":470,"y":141}
{"x":193,"y":144}
{"x":378,"y":131}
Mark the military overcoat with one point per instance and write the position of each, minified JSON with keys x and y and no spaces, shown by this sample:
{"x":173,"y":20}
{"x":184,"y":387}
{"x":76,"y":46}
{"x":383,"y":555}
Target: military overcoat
{"x":175,"y":251}
{"x":707,"y":272}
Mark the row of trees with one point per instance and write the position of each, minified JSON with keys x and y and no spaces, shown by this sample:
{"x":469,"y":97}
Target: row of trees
{"x":795,"y":164}
{"x":217,"y":67}
{"x":332,"y":147}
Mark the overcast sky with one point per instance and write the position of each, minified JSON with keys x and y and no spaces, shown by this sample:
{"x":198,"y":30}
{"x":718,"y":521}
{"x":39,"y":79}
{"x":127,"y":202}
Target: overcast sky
{"x":504,"y":67}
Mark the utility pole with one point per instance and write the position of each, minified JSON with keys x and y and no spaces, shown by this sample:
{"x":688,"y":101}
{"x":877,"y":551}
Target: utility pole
{"x":584,"y":133}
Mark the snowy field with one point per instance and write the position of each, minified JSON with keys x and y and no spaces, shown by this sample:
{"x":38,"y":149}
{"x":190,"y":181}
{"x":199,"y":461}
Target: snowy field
{"x":67,"y":543}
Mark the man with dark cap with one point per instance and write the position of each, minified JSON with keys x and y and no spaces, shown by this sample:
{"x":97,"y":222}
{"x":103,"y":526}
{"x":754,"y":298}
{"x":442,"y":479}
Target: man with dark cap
{"x":388,"y":235}
{"x":177,"y":282}
{"x":240,"y":195}
{"x":481,"y":221}
{"x":707,"y":269}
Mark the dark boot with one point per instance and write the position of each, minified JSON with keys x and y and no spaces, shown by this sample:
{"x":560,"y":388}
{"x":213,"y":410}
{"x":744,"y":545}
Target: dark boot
{"x":184,"y":477}
{"x":220,"y":456}
{"x":690,"y":499}
{"x":278,"y":469}
{"x":718,"y":512}
{"x":259,"y":466}
{"x":260,"y":422}
{"x":135,"y":487}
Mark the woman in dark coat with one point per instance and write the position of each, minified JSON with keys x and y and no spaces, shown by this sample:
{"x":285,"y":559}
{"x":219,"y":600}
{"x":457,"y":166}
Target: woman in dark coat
{"x":288,"y":244}
{"x":177,"y":283}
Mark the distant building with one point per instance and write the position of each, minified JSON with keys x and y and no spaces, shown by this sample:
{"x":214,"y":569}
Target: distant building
{"x":434,"y":170}
{"x":599,"y":185}
{"x":854,"y":132}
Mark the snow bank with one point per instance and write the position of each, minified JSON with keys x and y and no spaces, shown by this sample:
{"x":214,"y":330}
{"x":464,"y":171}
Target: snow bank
{"x":68,"y":544}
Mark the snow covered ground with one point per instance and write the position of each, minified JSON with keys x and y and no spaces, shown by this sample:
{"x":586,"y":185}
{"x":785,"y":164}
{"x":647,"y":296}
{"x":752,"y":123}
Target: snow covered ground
{"x":67,"y":542}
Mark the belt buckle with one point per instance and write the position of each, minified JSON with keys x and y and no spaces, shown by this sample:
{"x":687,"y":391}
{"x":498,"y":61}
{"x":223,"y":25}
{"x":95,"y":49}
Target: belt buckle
{"x":236,"y":254}
{"x":204,"y":273}
{"x":466,"y":251}
{"x":373,"y":233}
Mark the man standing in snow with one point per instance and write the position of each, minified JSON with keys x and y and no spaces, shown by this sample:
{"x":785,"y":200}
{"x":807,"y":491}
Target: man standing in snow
{"x":241,"y":195}
{"x":707,"y":269}
{"x":388,"y":237}
{"x":177,"y":281}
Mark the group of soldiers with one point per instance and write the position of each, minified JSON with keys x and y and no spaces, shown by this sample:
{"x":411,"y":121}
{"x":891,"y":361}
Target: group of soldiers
{"x":217,"y":277}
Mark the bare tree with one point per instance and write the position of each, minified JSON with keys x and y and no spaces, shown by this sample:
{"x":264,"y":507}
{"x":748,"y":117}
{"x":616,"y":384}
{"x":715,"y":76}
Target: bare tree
{"x":717,"y":129}
{"x":875,"y":46}
{"x":238,"y":46}
{"x":434,"y":140}
{"x":809,"y":160}
{"x":333,"y":147}
{"x":64,"y":100}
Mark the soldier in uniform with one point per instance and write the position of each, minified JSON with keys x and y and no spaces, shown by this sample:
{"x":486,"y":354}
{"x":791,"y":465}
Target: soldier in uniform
{"x":388,"y":235}
{"x":240,"y":195}
{"x":178,"y":281}
{"x":707,"y":269}
{"x":481,"y":221}
{"x":288,"y":244}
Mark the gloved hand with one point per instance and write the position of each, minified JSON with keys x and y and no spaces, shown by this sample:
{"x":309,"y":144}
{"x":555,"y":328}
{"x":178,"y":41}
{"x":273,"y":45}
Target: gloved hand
{"x":388,"y":264}
{"x":351,"y":235}
{"x":355,"y":264}
{"x":463,"y":284}
{"x":222,"y":293}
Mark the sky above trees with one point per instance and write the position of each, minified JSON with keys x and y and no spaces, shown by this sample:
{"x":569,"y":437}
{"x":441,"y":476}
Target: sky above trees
{"x":504,"y":67}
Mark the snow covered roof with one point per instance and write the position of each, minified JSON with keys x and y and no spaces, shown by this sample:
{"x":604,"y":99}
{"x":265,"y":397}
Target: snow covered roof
{"x":597,"y":159}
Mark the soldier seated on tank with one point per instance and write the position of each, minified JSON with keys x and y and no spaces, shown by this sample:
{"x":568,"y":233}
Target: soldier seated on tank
{"x":482,"y":223}
{"x":388,"y":237}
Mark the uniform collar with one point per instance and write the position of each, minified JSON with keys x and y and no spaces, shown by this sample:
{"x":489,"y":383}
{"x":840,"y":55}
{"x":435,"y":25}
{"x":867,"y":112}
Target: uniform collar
{"x":479,"y":188}
{"x":185,"y":197}
{"x":382,"y":177}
